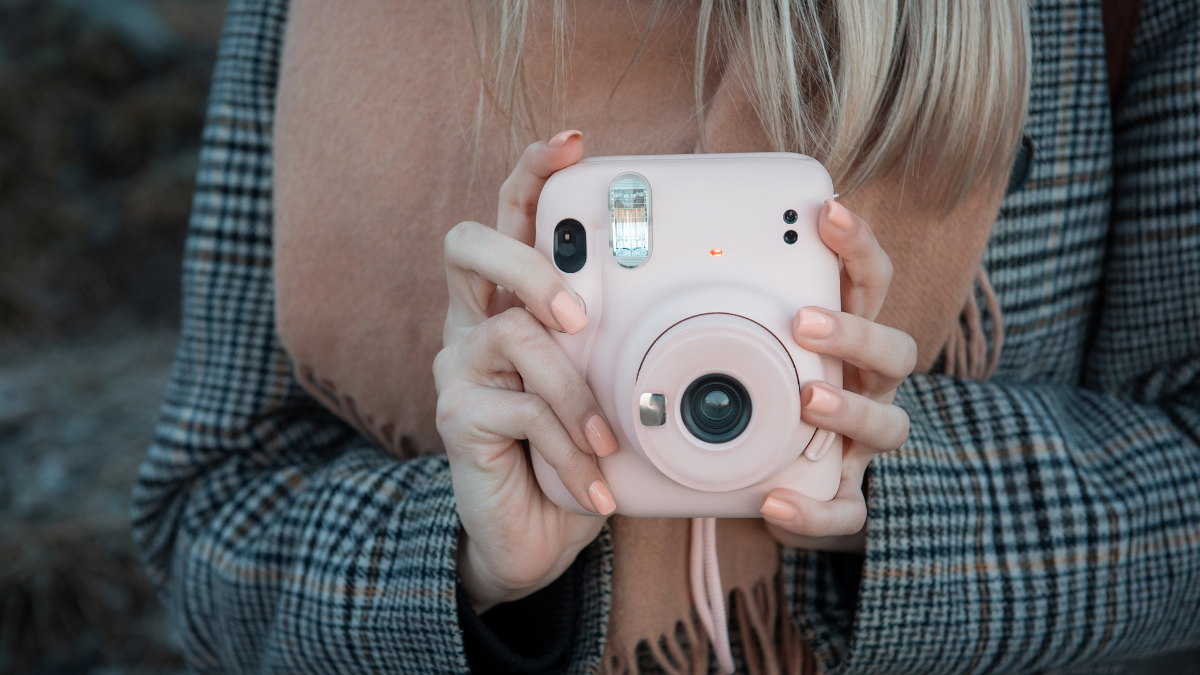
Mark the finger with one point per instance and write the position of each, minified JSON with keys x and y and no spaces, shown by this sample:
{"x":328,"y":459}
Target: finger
{"x":515,"y":342}
{"x":854,"y":543}
{"x":867,"y":270}
{"x":520,"y":191}
{"x":478,"y":258}
{"x":497,"y":415}
{"x":884,"y":350}
{"x":798,"y":514}
{"x":881,"y":426}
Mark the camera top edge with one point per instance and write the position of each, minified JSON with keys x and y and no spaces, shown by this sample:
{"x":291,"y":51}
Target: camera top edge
{"x":715,"y":156}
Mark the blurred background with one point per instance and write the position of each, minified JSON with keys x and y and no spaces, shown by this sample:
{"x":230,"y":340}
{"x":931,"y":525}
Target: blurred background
{"x":101,"y":109}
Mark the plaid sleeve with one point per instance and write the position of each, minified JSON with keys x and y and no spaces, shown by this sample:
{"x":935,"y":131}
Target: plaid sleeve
{"x":281,"y":540}
{"x":1033,"y":526}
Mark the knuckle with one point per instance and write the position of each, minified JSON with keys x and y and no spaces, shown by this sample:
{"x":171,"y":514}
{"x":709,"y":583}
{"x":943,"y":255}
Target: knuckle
{"x":859,"y":412}
{"x":902,"y":428}
{"x":539,"y":416}
{"x":460,"y":238}
{"x":448,"y":417}
{"x":508,"y":187}
{"x":886,"y":268}
{"x":454,"y":238}
{"x":541,"y":426}
{"x":515,"y":327}
{"x":821,"y":521}
{"x":908,"y":361}
{"x":442,"y":367}
{"x":447,"y":410}
{"x":881,"y":270}
{"x":858,"y":518}
{"x":859,"y":334}
{"x":533,"y":265}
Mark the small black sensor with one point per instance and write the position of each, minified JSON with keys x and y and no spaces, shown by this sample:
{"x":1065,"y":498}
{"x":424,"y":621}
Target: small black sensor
{"x":789,"y":237}
{"x":570,"y":245}
{"x":789,"y":217}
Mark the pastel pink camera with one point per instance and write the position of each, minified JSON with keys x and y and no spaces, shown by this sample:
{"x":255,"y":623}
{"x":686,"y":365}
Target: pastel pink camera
{"x":691,"y":269}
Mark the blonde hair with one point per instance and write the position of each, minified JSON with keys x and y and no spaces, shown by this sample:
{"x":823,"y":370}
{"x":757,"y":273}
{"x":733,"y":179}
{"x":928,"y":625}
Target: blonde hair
{"x":868,"y":88}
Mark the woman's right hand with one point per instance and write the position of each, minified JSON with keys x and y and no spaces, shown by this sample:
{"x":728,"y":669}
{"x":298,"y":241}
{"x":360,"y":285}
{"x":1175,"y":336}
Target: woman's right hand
{"x":503,"y":297}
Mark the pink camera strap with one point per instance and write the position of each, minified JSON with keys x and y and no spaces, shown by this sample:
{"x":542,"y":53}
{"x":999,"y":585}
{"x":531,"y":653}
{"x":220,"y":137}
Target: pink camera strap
{"x":707,"y":594}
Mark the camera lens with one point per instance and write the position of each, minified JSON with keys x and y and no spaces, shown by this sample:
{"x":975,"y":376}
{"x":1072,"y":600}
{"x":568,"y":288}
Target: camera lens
{"x":715,"y":408}
{"x":789,"y":216}
{"x":570,"y":245}
{"x":789,"y":237}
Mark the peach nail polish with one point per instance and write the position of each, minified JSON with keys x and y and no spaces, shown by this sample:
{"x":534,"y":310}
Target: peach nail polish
{"x":824,"y":401}
{"x":568,"y":313}
{"x":602,"y":499}
{"x":561,"y":139}
{"x":600,"y":437}
{"x":838,"y":215}
{"x":777,"y":509}
{"x":813,"y":324}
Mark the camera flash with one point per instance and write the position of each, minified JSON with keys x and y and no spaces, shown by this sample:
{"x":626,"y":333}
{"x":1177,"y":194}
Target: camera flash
{"x":716,"y":252}
{"x":630,"y":214}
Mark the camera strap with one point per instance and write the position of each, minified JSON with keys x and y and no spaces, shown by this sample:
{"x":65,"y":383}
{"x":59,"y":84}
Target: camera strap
{"x":707,"y":594}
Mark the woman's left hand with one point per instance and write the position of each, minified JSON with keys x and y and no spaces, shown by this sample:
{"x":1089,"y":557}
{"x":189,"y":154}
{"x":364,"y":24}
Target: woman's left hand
{"x":876,"y":360}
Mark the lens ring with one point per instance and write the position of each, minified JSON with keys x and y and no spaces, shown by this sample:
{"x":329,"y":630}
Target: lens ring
{"x":790,"y":237}
{"x":715,"y":408}
{"x":790,"y":216}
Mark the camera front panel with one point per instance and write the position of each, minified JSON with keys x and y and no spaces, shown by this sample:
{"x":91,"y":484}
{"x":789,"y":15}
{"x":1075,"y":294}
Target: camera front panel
{"x":732,"y":255}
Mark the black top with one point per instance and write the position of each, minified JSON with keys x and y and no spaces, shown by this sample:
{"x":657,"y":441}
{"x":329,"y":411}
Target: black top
{"x":534,"y":635}
{"x":530,"y":636}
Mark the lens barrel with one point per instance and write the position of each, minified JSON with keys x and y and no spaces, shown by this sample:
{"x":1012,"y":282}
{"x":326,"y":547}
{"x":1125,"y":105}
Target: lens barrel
{"x":715,"y":408}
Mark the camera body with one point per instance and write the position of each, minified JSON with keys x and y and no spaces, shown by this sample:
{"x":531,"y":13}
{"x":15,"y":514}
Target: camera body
{"x":691,"y":269}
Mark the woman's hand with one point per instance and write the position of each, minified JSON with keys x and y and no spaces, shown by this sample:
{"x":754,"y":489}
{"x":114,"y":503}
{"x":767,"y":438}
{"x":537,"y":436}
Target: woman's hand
{"x":503,"y":295}
{"x":877,"y":359}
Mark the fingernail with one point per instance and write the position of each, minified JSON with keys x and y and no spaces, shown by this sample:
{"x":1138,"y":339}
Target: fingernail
{"x":813,"y":324}
{"x":777,"y":509}
{"x":600,"y":436}
{"x":602,"y":499}
{"x":561,"y":139}
{"x":824,"y":401}
{"x":838,"y":215}
{"x":568,"y":313}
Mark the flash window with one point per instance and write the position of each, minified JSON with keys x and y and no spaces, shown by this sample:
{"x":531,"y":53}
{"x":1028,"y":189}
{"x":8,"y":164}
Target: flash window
{"x":630,"y":215}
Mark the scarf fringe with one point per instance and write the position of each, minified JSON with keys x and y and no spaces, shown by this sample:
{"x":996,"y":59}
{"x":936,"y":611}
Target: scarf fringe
{"x":967,"y":355}
{"x":770,"y":642}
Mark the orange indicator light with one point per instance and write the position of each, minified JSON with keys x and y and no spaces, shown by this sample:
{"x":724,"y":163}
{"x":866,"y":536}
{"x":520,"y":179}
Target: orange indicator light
{"x":716,"y":252}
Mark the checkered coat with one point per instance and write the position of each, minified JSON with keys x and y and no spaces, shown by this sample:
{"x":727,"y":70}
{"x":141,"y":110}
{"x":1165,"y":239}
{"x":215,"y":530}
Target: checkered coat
{"x":1047,"y":519}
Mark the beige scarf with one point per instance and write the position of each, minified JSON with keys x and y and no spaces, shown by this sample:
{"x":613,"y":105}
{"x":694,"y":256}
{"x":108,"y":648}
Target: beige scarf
{"x":652,"y":606}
